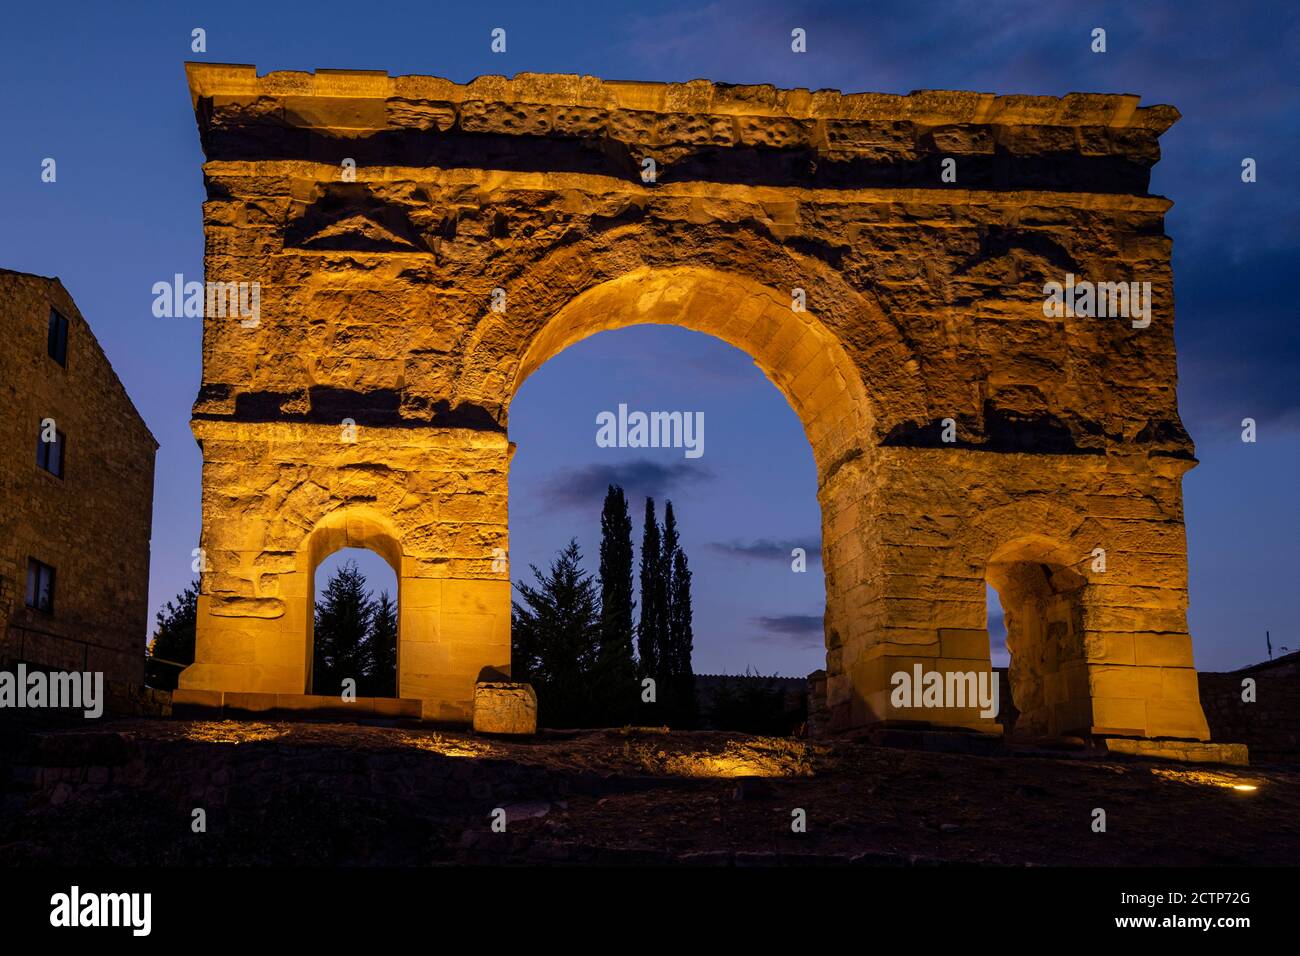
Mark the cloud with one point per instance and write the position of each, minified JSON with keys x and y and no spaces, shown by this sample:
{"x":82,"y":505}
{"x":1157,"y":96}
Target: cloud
{"x":765,"y":549}
{"x":997,"y":632}
{"x":639,"y":478}
{"x":1234,"y":243}
{"x":799,"y":629}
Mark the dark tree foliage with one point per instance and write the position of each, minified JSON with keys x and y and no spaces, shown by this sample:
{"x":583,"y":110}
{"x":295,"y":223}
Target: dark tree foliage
{"x":649,"y":627}
{"x":663,"y":613}
{"x":753,"y":705}
{"x":666,"y":653}
{"x":173,"y":640}
{"x":671,"y":542}
{"x":556,"y":633}
{"x":381,"y":675}
{"x":344,"y":616}
{"x":666,"y":678}
{"x":572,"y":638}
{"x":675,"y":680}
{"x":681,"y":641}
{"x":664,"y":634}
{"x":615,"y":681}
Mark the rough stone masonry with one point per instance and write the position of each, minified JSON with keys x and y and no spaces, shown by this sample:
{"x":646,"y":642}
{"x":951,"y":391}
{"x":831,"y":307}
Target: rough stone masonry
{"x":422,"y":246}
{"x":89,"y":520}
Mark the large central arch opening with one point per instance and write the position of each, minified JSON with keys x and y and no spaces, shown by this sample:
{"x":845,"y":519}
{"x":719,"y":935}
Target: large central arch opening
{"x":778,"y":329}
{"x":765,"y":618}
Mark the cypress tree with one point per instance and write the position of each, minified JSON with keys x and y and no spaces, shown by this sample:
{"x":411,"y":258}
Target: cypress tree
{"x":667,"y":653}
{"x":682,"y":639}
{"x":648,"y":628}
{"x":678,"y":637}
{"x":664,"y":592}
{"x":382,"y":647}
{"x":615,"y":677}
{"x":669,"y":548}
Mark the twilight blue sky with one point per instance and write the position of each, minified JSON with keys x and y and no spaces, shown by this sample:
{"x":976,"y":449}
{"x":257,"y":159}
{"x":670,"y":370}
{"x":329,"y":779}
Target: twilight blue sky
{"x":100,"y":87}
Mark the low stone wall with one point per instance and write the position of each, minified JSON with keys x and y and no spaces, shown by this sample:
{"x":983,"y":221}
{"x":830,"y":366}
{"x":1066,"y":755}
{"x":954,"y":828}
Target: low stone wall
{"x":213,"y":704}
{"x":1269,"y":726}
{"x":127,"y":699}
{"x":121,"y":699}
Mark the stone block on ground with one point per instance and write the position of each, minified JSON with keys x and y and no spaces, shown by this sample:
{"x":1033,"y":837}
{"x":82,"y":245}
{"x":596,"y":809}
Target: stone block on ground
{"x":1186,"y":751}
{"x":194,"y":703}
{"x":505,"y":707}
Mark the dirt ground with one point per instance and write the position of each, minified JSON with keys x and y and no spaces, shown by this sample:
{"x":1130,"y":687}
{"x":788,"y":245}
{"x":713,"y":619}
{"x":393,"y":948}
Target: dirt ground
{"x":276,"y":792}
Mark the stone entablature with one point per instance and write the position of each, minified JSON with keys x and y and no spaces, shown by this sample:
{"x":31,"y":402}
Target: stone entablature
{"x":235,"y":82}
{"x":749,"y":134}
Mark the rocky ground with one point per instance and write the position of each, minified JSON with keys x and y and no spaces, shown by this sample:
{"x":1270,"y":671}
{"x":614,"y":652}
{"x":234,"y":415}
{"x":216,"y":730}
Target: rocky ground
{"x":276,"y":792}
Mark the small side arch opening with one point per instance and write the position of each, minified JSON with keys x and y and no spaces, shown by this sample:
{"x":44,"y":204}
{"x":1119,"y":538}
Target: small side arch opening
{"x":1040,"y":592}
{"x":353,"y":607}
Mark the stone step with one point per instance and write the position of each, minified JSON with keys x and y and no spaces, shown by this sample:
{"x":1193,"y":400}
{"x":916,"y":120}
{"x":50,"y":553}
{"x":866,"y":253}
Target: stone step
{"x":1185,"y":751}
{"x":215,"y":703}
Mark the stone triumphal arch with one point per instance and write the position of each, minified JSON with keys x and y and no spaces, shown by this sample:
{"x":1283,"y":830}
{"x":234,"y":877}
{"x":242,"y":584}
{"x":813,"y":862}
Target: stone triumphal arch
{"x":421,"y":247}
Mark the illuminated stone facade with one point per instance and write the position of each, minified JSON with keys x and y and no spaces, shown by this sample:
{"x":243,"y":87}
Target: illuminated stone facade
{"x":423,"y":246}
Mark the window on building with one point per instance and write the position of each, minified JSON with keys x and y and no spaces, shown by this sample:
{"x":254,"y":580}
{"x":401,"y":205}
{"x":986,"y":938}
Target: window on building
{"x":57,"y":343}
{"x":49,"y":454}
{"x":40,"y":586}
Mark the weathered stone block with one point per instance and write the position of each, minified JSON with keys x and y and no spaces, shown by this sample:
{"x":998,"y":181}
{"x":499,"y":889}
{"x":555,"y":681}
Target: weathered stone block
{"x":505,"y":708}
{"x":964,"y":642}
{"x":1164,"y":650}
{"x":196,"y":703}
{"x":1198,"y":752}
{"x":249,"y":703}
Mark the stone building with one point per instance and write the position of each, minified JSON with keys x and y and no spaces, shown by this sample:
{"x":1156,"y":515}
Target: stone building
{"x":422,"y":246}
{"x":75,"y":511}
